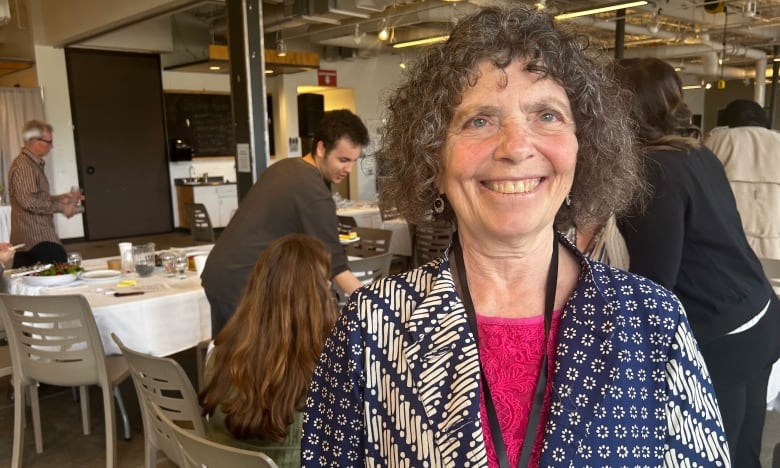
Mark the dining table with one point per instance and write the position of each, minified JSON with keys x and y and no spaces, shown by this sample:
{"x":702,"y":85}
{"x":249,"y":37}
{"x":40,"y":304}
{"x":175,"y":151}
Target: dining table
{"x":157,"y":314}
{"x":367,"y":214}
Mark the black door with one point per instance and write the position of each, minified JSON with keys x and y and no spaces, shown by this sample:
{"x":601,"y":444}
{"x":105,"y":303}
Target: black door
{"x":119,"y":130}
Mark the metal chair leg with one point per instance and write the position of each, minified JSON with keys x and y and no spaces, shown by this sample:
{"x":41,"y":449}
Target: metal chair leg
{"x":123,"y":412}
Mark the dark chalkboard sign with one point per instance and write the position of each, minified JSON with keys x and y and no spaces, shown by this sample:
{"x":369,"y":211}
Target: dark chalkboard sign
{"x":205,"y":121}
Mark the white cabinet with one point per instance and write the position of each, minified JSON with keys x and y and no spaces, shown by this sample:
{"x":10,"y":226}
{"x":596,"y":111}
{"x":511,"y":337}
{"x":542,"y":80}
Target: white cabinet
{"x":220,"y":201}
{"x":228,"y":202}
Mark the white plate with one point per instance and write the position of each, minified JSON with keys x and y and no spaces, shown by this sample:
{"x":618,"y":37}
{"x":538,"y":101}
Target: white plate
{"x":100,"y":276}
{"x":349,"y":241}
{"x":56,"y":280}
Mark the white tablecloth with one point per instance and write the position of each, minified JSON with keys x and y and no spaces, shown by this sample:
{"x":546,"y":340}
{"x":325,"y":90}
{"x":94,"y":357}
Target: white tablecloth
{"x":366,"y":214}
{"x":172,"y":315}
{"x":5,"y":223}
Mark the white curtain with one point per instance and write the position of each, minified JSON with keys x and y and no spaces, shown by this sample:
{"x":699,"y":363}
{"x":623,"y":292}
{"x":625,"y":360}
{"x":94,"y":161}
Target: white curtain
{"x":17,"y":106}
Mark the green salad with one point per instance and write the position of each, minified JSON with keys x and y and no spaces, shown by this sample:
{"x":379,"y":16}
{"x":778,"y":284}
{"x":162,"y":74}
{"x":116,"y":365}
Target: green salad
{"x":59,"y":269}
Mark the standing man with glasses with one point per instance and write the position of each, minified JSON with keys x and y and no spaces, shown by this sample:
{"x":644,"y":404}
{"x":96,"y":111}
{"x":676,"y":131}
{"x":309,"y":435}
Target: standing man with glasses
{"x":32,"y":206}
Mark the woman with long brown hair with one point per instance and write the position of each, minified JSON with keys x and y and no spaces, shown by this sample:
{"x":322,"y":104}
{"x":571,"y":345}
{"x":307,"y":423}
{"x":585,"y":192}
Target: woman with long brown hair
{"x":260,"y":368}
{"x":690,"y":239}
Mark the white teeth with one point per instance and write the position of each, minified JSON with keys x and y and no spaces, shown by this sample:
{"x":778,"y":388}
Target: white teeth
{"x":520,"y":186}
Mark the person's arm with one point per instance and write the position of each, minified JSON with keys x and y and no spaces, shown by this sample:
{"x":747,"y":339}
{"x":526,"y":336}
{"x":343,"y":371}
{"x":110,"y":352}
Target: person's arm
{"x":333,"y":424}
{"x":691,"y":409}
{"x":347,"y":282}
{"x":655,"y":239}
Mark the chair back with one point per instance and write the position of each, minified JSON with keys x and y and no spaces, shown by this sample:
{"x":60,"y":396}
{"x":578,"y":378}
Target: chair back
{"x":771,"y":268}
{"x":431,"y":239}
{"x":163,"y":382}
{"x":54,"y":340}
{"x":387,"y":212}
{"x":370,"y":269}
{"x":5,"y":354}
{"x":372,"y":242}
{"x":200,"y":223}
{"x":346,"y":224}
{"x":197,"y":451}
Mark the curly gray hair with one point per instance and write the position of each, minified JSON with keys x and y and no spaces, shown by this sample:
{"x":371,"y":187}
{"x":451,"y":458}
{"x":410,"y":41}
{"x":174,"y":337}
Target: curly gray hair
{"x":607,"y":178}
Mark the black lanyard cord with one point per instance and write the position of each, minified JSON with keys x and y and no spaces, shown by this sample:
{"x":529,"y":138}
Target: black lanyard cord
{"x":541,"y":383}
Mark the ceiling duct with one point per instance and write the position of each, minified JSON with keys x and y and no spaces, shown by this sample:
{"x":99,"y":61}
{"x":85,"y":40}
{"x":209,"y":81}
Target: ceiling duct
{"x":407,"y":22}
{"x":338,"y":9}
{"x":294,"y":13}
{"x":291,"y":14}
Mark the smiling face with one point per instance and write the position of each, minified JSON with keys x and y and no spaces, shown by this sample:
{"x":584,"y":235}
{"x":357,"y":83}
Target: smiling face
{"x":510,"y":155}
{"x":336,"y":164}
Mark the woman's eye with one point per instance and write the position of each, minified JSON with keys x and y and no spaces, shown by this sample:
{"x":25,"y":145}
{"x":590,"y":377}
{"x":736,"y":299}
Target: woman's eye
{"x":549,"y":117}
{"x":479,"y":122}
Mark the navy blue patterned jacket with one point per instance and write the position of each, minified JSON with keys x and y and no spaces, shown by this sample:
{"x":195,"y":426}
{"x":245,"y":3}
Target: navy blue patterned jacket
{"x":398,"y":381}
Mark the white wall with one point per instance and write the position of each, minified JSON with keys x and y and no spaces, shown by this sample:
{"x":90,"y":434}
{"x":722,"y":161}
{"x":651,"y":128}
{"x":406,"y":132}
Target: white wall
{"x":369,"y":79}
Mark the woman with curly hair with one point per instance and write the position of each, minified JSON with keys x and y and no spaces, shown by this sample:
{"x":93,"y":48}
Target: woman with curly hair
{"x":512,"y":349}
{"x":260,"y":367}
{"x":689,"y":238}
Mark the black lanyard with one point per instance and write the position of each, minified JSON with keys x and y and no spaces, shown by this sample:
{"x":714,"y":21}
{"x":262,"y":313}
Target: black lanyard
{"x":541,"y":383}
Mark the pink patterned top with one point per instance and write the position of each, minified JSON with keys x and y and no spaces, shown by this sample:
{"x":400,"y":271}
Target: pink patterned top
{"x":510,"y":351}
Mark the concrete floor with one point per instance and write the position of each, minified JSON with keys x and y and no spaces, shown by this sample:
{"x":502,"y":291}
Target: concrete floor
{"x":64,"y":444}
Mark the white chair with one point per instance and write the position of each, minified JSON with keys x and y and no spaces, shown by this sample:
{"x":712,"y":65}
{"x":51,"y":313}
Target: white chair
{"x":162,"y":381}
{"x":54,"y":340}
{"x":199,"y":452}
{"x":771,"y":268}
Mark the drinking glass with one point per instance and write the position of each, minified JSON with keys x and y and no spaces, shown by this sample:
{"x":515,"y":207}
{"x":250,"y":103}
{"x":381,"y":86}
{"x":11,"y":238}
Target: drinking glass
{"x":143,"y":258}
{"x":168,"y":261}
{"x":74,"y":258}
{"x":79,"y":190}
{"x":181,"y":264}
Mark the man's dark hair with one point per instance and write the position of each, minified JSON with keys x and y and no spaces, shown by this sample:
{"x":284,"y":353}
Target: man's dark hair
{"x":743,"y":113}
{"x":337,"y":124}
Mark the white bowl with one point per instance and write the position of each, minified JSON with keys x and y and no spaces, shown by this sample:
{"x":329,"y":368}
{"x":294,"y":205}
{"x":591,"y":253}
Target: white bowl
{"x":56,"y":280}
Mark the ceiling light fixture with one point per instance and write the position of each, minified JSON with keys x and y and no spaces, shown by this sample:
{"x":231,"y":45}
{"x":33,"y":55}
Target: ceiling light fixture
{"x":601,"y":9}
{"x":420,"y":42}
{"x":281,"y":46}
{"x":358,"y":35}
{"x":215,"y":68}
{"x":750,"y":8}
{"x":654,"y":25}
{"x":384,"y":34}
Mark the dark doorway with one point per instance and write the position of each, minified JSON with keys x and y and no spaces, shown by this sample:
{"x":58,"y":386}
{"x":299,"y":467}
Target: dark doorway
{"x":119,"y":129}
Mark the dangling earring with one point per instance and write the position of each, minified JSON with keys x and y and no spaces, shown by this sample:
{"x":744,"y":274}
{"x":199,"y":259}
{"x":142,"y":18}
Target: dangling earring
{"x":568,"y":199}
{"x":438,"y":205}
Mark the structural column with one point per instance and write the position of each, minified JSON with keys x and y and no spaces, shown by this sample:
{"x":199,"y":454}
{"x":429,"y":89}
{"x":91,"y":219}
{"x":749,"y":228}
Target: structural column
{"x":247,"y":87}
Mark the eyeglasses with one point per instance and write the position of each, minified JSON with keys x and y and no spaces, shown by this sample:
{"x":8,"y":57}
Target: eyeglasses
{"x":49,"y":142}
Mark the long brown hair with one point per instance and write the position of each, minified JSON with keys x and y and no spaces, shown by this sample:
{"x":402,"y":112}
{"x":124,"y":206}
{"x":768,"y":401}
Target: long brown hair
{"x":662,"y":117}
{"x":265,"y":355}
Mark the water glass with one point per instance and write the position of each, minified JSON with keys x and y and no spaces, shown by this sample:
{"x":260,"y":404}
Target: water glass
{"x":79,"y":190}
{"x":74,"y":259}
{"x":168,"y":261}
{"x":181,"y":264}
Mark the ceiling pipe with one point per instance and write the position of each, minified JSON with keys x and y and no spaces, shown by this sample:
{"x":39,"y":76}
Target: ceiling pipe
{"x":685,"y":50}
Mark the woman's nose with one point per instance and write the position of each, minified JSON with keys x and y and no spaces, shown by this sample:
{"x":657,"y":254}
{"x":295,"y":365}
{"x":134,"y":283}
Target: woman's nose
{"x":516,"y":141}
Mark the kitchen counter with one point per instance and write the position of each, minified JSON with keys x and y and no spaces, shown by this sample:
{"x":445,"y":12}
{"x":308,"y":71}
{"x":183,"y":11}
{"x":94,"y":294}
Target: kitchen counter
{"x":200,"y":181}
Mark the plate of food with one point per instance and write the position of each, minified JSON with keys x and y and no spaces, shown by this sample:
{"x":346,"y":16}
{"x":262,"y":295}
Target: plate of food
{"x":350,"y":238}
{"x":56,"y":275}
{"x":100,"y":276}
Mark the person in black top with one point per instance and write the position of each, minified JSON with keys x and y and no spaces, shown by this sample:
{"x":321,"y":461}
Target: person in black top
{"x":690,"y":239}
